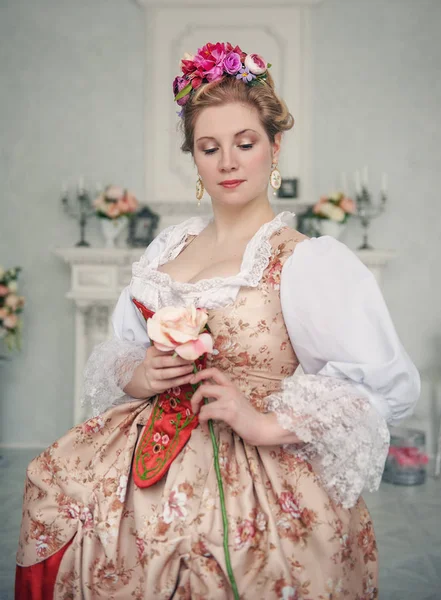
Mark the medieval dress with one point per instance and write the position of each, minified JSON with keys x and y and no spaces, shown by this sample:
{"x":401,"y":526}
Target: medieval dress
{"x":304,"y":332}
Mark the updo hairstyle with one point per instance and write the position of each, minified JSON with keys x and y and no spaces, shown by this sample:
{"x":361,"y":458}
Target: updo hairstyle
{"x":273,"y":112}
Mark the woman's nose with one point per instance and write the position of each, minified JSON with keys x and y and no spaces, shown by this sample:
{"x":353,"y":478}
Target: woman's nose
{"x":228,"y":162}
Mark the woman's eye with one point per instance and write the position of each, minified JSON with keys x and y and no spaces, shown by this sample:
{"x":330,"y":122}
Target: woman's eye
{"x":242,"y":146}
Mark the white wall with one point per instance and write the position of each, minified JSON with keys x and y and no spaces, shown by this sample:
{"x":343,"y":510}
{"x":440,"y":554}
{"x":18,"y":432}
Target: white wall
{"x":71,"y":103}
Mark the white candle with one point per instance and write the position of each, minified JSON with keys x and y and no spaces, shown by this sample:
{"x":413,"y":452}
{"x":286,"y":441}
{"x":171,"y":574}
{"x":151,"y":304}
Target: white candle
{"x":384,"y":183}
{"x":344,"y":183}
{"x":357,"y":182}
{"x":365,"y":176}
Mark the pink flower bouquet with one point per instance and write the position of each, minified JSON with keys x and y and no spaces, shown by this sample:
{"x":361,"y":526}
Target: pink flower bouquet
{"x":336,"y":207}
{"x":115,"y":202}
{"x":11,"y":305}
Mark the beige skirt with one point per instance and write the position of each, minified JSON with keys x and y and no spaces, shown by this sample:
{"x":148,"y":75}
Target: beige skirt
{"x":287,"y":539}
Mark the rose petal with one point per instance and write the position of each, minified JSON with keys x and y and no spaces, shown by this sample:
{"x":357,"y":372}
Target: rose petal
{"x":194,"y":349}
{"x":155,"y":333}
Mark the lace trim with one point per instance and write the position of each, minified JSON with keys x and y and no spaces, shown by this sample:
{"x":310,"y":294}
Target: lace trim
{"x":345,"y":439}
{"x":108,"y":370}
{"x":255,"y":260}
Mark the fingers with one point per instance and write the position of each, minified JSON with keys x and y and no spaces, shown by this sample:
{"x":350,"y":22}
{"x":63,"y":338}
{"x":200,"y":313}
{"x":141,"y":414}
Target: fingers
{"x":205,"y":390}
{"x":172,"y":373}
{"x":211,"y":373}
{"x":214,"y":411}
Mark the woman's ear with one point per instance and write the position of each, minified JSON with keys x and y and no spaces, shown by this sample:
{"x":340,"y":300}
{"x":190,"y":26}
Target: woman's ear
{"x":276,"y":147}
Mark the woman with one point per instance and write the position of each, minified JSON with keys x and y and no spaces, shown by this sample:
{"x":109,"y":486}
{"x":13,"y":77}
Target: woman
{"x":295,"y":448}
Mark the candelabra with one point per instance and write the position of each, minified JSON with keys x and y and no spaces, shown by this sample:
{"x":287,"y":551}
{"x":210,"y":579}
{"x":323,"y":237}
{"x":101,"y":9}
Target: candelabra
{"x":366,"y":210}
{"x":82,"y":212}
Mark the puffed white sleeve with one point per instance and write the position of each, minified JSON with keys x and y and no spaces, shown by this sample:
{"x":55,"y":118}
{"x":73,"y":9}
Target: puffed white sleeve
{"x":357,"y":378}
{"x":112,"y":363}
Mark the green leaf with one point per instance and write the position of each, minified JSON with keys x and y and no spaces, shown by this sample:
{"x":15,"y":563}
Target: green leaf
{"x":269,"y":65}
{"x":183,"y":92}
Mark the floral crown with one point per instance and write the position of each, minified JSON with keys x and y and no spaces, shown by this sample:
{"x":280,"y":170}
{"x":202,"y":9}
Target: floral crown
{"x":211,"y":63}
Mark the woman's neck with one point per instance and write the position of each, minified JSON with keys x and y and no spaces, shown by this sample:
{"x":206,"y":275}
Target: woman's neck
{"x":239,"y":223}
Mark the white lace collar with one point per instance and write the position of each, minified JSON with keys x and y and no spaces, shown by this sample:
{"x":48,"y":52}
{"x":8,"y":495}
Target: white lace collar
{"x":155,"y":288}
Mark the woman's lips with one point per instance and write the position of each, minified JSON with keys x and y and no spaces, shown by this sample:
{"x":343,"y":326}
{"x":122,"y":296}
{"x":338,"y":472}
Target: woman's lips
{"x":233,"y":183}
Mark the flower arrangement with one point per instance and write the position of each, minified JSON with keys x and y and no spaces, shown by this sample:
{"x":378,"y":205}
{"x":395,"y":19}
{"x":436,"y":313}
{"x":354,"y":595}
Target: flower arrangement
{"x":336,"y":207}
{"x":211,"y":63}
{"x":11,"y":305}
{"x":184,"y":330}
{"x":407,"y":457}
{"x":115,"y":202}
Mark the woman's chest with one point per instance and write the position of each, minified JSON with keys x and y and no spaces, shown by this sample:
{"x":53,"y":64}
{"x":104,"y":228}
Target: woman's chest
{"x":198,"y":261}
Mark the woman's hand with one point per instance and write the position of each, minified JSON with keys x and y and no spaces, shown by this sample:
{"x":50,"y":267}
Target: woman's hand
{"x":162,"y":370}
{"x":229,"y":405}
{"x":232,"y":407}
{"x":158,"y":372}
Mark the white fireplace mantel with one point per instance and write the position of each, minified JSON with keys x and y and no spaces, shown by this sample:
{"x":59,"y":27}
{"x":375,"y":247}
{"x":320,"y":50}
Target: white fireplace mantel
{"x":98,"y":275}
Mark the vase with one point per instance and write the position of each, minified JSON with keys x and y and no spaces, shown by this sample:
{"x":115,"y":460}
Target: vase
{"x":111,"y":229}
{"x":332,"y":228}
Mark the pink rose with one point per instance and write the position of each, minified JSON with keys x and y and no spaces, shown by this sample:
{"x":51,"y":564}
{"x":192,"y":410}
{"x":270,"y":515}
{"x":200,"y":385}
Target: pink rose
{"x":11,"y":322}
{"x":187,"y":63}
{"x":12,"y":301}
{"x":113,"y":210}
{"x":128,"y":204}
{"x":255,"y":64}
{"x":209,"y":56}
{"x":114,"y":192}
{"x":3,"y":313}
{"x":179,"y":329}
{"x":348,"y":205}
{"x":4,"y":290}
{"x":232,"y":63}
{"x":215,"y":73}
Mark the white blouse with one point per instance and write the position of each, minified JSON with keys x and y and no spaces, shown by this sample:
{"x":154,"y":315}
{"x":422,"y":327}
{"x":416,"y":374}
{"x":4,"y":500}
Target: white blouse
{"x":356,"y":374}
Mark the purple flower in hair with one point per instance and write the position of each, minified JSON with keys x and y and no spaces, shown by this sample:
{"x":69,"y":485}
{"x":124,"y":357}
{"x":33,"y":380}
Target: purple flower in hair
{"x":245,"y":75}
{"x":179,"y":84}
{"x":232,"y":63}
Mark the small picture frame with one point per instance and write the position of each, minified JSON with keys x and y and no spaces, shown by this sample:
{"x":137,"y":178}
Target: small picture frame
{"x":288,"y":189}
{"x":142,"y":227}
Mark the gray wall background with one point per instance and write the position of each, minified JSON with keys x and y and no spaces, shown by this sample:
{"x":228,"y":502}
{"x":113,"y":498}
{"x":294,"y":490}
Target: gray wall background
{"x":71,"y":103}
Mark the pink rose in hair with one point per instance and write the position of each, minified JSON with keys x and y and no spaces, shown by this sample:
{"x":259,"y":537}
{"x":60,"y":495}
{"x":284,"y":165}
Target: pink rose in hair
{"x":232,"y":63}
{"x":187,"y":63}
{"x":179,"y":329}
{"x":209,"y":56}
{"x":215,"y":73}
{"x":196,"y":80}
{"x":237,"y":50}
{"x":255,"y":64}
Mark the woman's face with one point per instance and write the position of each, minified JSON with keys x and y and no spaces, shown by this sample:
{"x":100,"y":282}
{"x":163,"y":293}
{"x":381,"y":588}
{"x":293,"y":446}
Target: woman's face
{"x":230,"y":145}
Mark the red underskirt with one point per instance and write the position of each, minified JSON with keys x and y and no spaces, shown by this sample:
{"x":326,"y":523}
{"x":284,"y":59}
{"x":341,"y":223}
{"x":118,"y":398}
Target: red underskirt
{"x":37,"y":582}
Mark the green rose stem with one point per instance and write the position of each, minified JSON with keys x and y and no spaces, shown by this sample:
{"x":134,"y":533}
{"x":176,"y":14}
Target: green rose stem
{"x":221,"y":497}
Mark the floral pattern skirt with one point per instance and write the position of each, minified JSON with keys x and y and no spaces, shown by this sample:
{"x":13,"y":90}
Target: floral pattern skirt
{"x":287,"y":539}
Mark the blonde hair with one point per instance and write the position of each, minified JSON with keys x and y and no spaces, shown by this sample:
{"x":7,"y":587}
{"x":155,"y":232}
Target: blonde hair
{"x":273,"y":112}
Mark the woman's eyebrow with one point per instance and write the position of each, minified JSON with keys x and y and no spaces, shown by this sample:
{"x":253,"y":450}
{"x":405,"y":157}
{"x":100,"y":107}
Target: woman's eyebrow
{"x":207,"y":137}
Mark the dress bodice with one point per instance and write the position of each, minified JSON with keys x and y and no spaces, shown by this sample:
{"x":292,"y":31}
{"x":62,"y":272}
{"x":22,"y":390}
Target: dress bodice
{"x":251,"y":341}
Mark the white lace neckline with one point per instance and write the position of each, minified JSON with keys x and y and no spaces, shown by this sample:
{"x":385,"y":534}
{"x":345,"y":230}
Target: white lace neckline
{"x":212,"y":291}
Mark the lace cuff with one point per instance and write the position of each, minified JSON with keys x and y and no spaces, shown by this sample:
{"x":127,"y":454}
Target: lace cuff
{"x":107,"y":372}
{"x":345,"y":439}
